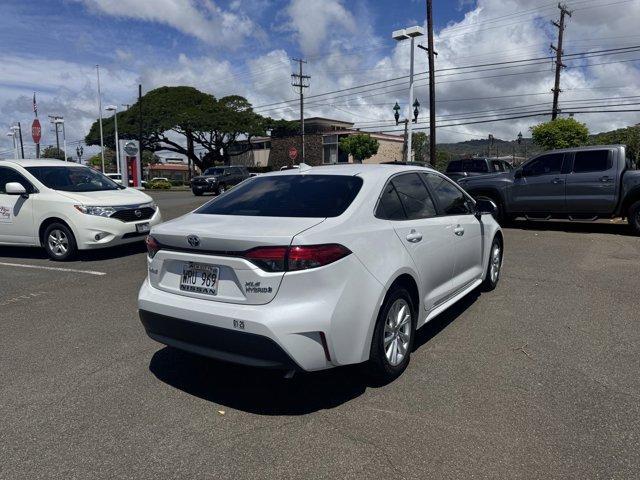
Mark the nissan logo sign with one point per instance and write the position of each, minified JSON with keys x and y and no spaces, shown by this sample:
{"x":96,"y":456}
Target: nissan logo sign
{"x":138,"y":213}
{"x":193,"y":240}
{"x":131,"y":148}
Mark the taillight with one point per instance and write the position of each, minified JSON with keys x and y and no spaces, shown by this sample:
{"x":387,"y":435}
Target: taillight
{"x":271,"y":259}
{"x":152,"y":246}
{"x":313,"y":256}
{"x":287,"y":259}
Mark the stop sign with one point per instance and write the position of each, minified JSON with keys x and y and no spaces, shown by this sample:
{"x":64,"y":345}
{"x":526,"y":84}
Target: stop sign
{"x":293,"y":153}
{"x":36,"y":131}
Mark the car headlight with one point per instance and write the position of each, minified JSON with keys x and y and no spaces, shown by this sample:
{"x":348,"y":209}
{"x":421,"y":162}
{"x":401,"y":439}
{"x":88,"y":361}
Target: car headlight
{"x":212,"y":180}
{"x":97,"y":211}
{"x":149,"y":205}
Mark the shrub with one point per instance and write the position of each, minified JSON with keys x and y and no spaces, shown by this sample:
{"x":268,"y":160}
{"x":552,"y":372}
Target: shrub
{"x":159,"y":185}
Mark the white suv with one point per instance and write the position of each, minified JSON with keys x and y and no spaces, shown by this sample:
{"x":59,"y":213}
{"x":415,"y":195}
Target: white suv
{"x":312,"y":268}
{"x":65,"y":207}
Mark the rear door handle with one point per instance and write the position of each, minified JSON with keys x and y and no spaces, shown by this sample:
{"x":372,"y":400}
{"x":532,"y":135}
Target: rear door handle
{"x":557,"y":180}
{"x":459,"y":231}
{"x":414,"y":237}
{"x":606,"y":179}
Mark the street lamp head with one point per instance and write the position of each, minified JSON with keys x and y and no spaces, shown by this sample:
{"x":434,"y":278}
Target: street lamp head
{"x":416,"y":103}
{"x":11,"y":134}
{"x":399,"y":35}
{"x":416,"y":110}
{"x":111,"y":108}
{"x":59,"y":121}
{"x":520,"y":137}
{"x":416,"y":31}
{"x":396,"y":112}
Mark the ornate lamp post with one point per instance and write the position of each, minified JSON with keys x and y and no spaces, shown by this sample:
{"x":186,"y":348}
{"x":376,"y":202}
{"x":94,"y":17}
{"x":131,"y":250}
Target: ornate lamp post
{"x":79,"y":153}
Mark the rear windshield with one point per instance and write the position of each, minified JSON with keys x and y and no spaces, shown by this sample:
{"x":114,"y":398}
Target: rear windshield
{"x":312,"y":196}
{"x":468,"y":165}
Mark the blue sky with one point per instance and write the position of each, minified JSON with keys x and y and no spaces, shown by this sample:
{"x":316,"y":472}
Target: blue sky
{"x":246,"y":46}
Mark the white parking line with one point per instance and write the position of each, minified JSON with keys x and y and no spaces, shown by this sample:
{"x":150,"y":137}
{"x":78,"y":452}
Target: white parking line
{"x":70,"y":270}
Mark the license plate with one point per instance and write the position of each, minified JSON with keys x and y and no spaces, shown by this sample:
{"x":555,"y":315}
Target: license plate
{"x":199,"y":278}
{"x":143,"y":227}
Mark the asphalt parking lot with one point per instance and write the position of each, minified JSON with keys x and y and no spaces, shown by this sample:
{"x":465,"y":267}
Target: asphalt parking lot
{"x":538,"y":379}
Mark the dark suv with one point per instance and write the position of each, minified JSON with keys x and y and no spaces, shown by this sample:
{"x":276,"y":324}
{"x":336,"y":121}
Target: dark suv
{"x":468,"y":167}
{"x":218,"y":179}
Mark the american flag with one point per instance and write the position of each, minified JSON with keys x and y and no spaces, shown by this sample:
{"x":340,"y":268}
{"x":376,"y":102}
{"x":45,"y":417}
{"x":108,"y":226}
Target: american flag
{"x":35,"y":105}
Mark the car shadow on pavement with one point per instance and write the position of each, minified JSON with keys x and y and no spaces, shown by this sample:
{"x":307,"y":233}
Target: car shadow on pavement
{"x":567,"y":226}
{"x":83,"y":256}
{"x":254,"y":390}
{"x":267,"y":392}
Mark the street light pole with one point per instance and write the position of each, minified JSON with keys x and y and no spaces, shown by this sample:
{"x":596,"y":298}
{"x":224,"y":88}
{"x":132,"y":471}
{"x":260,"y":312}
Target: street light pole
{"x":400,"y":35}
{"x":12,"y":134}
{"x":100,"y":117}
{"x":60,"y":121}
{"x":114,"y":109}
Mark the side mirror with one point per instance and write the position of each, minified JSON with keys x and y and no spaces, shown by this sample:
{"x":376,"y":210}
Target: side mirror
{"x":15,"y":188}
{"x":484,"y":206}
{"x":517,"y":174}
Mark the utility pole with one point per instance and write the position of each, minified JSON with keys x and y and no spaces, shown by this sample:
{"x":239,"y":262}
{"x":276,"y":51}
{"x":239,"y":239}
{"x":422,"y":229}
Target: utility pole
{"x":432,"y":84}
{"x":21,"y":144}
{"x":405,"y":145}
{"x":301,"y":81}
{"x":559,"y":65}
{"x":54,"y":119}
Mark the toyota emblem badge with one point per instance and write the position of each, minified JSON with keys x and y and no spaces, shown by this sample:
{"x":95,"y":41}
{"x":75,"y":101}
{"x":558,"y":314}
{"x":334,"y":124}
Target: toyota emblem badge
{"x":193,"y":240}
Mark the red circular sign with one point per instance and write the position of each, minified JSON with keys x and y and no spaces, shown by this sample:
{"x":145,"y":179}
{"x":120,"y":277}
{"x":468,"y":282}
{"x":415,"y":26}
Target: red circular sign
{"x":36,"y":131}
{"x":293,"y":153}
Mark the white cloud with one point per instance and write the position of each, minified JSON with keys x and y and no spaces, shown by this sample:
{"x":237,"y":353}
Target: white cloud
{"x":313,"y":21}
{"x":202,"y":19}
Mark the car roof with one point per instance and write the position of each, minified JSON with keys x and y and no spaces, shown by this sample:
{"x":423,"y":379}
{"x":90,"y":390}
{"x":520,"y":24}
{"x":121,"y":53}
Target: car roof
{"x":351,"y":169}
{"x":39,"y":162}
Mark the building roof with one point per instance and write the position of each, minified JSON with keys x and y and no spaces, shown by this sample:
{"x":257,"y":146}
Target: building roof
{"x":326,"y":121}
{"x":169,"y":167}
{"x":379,"y":135}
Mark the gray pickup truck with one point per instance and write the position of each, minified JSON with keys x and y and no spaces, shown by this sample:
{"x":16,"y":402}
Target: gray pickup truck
{"x":578,"y":183}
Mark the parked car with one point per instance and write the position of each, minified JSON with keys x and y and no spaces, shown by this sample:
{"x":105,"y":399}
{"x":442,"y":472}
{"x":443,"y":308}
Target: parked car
{"x":469,"y":167}
{"x":160,"y":179}
{"x":218,"y":179}
{"x":579,"y":184}
{"x":318,"y":267}
{"x":116,"y":177}
{"x":65,"y":207}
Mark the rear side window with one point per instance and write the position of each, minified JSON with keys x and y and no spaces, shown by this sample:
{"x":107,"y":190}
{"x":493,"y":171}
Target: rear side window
{"x":389,"y":207}
{"x":312,"y":196}
{"x":451,"y":199}
{"x":592,"y":161}
{"x":475,"y":166}
{"x":414,"y":196}
{"x":497,"y":166}
{"x":454,"y":166}
{"x":545,"y":165}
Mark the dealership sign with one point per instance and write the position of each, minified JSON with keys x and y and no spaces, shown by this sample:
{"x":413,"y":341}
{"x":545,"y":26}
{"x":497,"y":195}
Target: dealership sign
{"x":36,"y":131}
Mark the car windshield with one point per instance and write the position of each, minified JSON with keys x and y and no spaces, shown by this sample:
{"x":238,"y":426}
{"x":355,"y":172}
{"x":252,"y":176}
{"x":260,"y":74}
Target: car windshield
{"x":214,"y":171}
{"x":73,"y":179}
{"x":311,"y":196}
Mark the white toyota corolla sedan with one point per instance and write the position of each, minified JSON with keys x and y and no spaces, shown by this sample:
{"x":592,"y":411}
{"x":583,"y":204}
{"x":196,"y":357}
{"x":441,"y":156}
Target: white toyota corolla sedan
{"x":65,"y":207}
{"x":313,"y":268}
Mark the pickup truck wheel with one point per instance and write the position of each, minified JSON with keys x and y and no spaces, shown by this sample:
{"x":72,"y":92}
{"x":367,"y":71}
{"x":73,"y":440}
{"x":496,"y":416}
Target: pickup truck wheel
{"x":494,"y":266}
{"x":221,"y":189}
{"x":633,"y":217}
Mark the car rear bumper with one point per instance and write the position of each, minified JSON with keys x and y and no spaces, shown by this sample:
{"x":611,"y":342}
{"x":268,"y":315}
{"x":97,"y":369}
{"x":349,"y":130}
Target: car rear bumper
{"x":319,"y":318}
{"x":215,"y":342}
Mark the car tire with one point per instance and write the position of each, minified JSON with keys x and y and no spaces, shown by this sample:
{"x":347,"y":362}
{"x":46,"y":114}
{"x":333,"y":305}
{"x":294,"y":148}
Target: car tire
{"x":221,"y":189}
{"x":59,"y":242}
{"x":390,"y":350}
{"x":494,"y":266}
{"x":196,"y":193}
{"x":633,"y":217}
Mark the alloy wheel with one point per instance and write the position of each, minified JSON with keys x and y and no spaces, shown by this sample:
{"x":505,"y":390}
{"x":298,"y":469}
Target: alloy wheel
{"x":397,"y":332}
{"x":496,"y":262}
{"x":58,"y":242}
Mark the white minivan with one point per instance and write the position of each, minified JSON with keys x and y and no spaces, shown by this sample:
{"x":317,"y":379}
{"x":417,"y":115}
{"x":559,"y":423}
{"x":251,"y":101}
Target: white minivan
{"x":65,"y":207}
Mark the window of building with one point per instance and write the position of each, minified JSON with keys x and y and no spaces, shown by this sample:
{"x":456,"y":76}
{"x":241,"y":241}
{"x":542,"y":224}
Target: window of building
{"x":330,"y":150}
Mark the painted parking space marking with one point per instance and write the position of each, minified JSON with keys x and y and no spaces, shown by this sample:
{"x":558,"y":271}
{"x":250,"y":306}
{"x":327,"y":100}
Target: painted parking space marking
{"x":56,"y":269}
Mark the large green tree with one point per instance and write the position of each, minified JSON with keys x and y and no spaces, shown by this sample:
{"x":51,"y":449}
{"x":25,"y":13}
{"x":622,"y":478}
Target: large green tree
{"x":178,"y":118}
{"x":420,"y":146}
{"x":360,"y":146}
{"x":560,"y":133}
{"x":629,"y":136}
{"x":53,"y":152}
